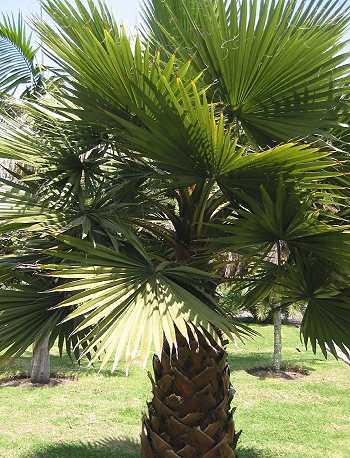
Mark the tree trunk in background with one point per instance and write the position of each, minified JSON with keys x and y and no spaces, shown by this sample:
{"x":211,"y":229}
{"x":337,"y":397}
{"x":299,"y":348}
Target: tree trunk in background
{"x":190,"y":413}
{"x":41,"y":361}
{"x":277,"y":340}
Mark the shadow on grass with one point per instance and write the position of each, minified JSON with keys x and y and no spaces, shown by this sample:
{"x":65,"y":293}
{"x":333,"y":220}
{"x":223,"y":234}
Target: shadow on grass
{"x":247,"y":452}
{"x":23,"y":380}
{"x":59,"y":367}
{"x":119,"y":447}
{"x":248,"y":361}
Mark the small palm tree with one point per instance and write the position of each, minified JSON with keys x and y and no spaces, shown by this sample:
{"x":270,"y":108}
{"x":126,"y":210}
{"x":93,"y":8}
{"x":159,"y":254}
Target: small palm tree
{"x":26,"y":215}
{"x":20,"y":72}
{"x":184,"y":166}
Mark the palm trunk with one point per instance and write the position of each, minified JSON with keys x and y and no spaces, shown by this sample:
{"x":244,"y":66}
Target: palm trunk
{"x":190,"y":413}
{"x":277,"y":341}
{"x":277,"y":322}
{"x":41,"y":361}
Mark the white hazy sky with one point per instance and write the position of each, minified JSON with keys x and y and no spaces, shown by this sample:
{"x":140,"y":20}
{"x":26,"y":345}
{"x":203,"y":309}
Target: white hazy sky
{"x":126,"y":11}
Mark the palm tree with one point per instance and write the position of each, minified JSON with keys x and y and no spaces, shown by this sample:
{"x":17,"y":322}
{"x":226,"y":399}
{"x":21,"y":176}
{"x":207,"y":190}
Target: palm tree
{"x":19,"y":68}
{"x":185,"y":166}
{"x":41,"y":179}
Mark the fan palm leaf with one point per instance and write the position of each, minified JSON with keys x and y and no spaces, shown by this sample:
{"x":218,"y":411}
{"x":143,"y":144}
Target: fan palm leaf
{"x":27,"y":315}
{"x":251,"y":48}
{"x":134,"y":303}
{"x":18,"y":65}
{"x":327,"y":316}
{"x":163,"y":113}
{"x":284,"y":213}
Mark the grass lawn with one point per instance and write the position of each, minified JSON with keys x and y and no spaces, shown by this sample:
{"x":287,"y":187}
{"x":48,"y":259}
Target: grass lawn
{"x":98,"y":415}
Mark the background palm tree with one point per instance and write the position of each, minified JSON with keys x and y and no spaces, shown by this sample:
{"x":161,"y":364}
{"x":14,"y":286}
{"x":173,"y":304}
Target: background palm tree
{"x":181,"y":167}
{"x":34,"y":201}
{"x":20,"y":75}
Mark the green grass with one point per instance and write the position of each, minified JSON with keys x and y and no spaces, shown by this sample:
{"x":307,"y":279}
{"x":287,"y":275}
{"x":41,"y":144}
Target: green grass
{"x":98,"y":415}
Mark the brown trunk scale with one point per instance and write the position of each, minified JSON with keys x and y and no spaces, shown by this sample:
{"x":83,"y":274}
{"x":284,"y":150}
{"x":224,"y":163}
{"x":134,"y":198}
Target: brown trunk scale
{"x":190,"y":414}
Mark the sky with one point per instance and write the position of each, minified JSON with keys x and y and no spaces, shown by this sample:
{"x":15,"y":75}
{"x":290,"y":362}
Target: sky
{"x":126,"y":11}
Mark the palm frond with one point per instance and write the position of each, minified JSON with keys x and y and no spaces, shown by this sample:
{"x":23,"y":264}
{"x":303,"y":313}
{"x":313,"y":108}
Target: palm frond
{"x":281,"y":67}
{"x":283,"y":212}
{"x":132,"y":303}
{"x":20,"y":209}
{"x":161,"y":109}
{"x":25,"y":316}
{"x":316,"y":284}
{"x":326,"y":319}
{"x":162,"y":114}
{"x":17,"y":55}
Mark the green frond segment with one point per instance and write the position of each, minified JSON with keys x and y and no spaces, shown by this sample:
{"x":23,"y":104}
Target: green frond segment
{"x":17,"y":55}
{"x":28,"y":313}
{"x":163,"y":114}
{"x":312,"y":283}
{"x":158,"y":26}
{"x":20,"y":210}
{"x":258,"y":285}
{"x":133,"y":305}
{"x":250,"y":48}
{"x":315,"y":284}
{"x":77,"y":184}
{"x":206,"y":147}
{"x":326,"y":323}
{"x":25,"y":315}
{"x":161,"y":108}
{"x":314,"y":264}
{"x":19,"y":142}
{"x":281,"y":211}
{"x":292,"y":161}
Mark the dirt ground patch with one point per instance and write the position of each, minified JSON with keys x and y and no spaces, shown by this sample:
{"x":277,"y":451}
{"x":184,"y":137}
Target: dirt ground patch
{"x":23,"y":380}
{"x":290,"y":373}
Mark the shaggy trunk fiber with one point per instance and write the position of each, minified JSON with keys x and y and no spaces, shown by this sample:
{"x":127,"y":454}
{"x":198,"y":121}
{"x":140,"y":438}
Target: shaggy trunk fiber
{"x":277,"y":342}
{"x":190,"y":415}
{"x":41,"y":361}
